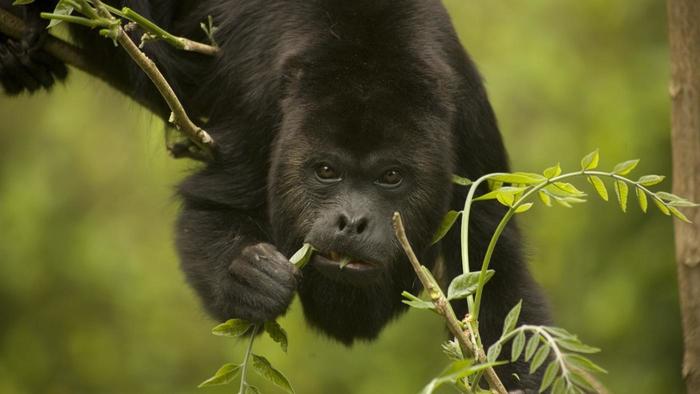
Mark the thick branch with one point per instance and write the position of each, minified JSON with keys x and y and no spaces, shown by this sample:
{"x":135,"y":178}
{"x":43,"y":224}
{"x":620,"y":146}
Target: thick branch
{"x":684,"y":37}
{"x":442,"y":306}
{"x":14,"y":27}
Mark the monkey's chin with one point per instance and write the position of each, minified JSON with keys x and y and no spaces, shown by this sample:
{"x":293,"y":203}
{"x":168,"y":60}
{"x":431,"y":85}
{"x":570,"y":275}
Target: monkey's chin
{"x":355,"y":272}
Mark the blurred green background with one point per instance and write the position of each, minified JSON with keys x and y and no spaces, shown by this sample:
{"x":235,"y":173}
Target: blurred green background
{"x":92,"y":299}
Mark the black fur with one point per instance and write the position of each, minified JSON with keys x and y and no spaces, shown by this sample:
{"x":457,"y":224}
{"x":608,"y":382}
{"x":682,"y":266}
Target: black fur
{"x":364,"y":87}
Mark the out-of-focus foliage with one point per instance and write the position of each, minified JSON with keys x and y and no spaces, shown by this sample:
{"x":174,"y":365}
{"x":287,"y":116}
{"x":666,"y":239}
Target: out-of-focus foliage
{"x":92,"y":300}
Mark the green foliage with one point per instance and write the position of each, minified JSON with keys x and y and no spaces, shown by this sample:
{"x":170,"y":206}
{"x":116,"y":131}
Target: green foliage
{"x":454,"y":372}
{"x":465,"y":285}
{"x":445,"y":226}
{"x":302,"y":256}
{"x":415,"y":302}
{"x":562,"y":349}
{"x":225,"y":375}
{"x":267,"y":371}
{"x":236,"y":328}
{"x":232,"y":328}
{"x":568,"y":368}
{"x":277,"y":333}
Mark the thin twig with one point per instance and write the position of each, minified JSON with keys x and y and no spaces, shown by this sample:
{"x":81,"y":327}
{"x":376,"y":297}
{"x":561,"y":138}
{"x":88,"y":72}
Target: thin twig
{"x":178,"y":117}
{"x":158,"y":32}
{"x":443,"y":307}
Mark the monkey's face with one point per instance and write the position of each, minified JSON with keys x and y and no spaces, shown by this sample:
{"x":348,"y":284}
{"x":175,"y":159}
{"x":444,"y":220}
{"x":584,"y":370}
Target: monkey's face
{"x":340,"y":169}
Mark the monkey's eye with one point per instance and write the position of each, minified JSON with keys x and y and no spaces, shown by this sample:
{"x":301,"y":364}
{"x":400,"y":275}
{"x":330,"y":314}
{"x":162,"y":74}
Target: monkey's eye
{"x":326,"y":173}
{"x":390,"y":178}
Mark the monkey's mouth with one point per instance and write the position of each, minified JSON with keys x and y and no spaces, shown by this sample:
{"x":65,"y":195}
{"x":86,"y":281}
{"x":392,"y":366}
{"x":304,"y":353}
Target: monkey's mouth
{"x":337,"y":266}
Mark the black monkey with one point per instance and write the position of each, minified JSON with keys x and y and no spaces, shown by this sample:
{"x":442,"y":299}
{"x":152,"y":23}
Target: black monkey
{"x":329,"y":116}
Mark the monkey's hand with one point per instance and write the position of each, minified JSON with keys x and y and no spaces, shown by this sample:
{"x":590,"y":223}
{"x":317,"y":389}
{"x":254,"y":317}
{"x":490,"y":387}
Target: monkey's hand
{"x":263,"y":282}
{"x":24,"y":66}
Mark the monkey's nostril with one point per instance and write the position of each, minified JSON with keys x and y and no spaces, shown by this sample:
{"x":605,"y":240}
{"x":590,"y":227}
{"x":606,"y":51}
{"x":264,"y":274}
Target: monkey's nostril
{"x":362,"y":225}
{"x":342,"y":222}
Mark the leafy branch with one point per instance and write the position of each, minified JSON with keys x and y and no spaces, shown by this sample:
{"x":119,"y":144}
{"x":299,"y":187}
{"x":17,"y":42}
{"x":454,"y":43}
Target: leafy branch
{"x":568,"y":372}
{"x":440,"y":304}
{"x":96,"y":14}
{"x":514,"y":189}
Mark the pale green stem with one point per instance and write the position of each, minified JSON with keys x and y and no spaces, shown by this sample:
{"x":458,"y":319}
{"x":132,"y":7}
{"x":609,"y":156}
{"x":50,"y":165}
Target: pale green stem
{"x":246,"y":358}
{"x":91,"y":23}
{"x":152,"y":28}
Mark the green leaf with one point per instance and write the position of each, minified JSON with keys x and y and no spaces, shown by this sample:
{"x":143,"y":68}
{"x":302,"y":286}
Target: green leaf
{"x":539,"y":357}
{"x":61,"y":9}
{"x":549,"y":374}
{"x":567,"y":189}
{"x":668,"y":196}
{"x":277,"y":333}
{"x":265,"y":369}
{"x":452,"y":350}
{"x":532,"y":344}
{"x":493,"y":185}
{"x":674,"y":200}
{"x":621,"y":190}
{"x":551,"y":172}
{"x":504,"y":190}
{"x":505,"y":198}
{"x":559,"y":332}
{"x":651,"y":180}
{"x":590,"y":161}
{"x":512,"y":318}
{"x":456,"y":370}
{"x":302,"y":256}
{"x":580,"y":362}
{"x":574,"y":345}
{"x":625,"y":167}
{"x":232,"y":328}
{"x":678,"y":214}
{"x":494,"y":352}
{"x":580,"y":380}
{"x":523,"y":207}
{"x":22,"y":2}
{"x":518,"y":345}
{"x":662,"y":207}
{"x":517,"y":178}
{"x":445,"y":226}
{"x":546,"y":200}
{"x":225,"y":375}
{"x":642,"y":198}
{"x":462,"y":286}
{"x":461,"y":180}
{"x":683,"y":203}
{"x":559,"y":386}
{"x":599,"y":187}
{"x":251,"y":390}
{"x":416,"y":302}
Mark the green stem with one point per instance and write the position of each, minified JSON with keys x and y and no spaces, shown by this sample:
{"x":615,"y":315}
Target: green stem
{"x":111,"y":9}
{"x":465,"y":219}
{"x":152,"y":28}
{"x":246,"y":358}
{"x":91,"y":23}
{"x":487,"y":260}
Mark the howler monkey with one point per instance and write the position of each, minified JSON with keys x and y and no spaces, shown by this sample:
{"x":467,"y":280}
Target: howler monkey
{"x":329,"y":115}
